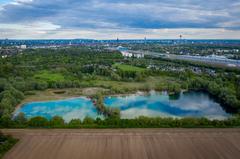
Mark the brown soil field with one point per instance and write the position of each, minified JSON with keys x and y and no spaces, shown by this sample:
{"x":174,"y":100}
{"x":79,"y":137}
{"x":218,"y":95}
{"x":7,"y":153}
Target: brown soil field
{"x":125,"y":144}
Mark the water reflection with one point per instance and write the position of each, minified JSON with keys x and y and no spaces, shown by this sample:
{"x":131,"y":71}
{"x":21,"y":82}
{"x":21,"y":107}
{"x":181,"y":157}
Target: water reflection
{"x":191,"y":104}
{"x":74,"y":108}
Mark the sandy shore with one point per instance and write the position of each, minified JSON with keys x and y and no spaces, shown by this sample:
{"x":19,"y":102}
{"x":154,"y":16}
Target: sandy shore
{"x":125,"y":143}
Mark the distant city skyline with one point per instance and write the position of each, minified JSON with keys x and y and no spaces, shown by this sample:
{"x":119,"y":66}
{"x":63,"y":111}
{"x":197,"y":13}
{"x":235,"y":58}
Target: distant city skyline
{"x":125,"y":19}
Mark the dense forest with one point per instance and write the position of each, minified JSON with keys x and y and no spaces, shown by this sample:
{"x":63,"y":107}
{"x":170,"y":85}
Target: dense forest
{"x":79,"y":67}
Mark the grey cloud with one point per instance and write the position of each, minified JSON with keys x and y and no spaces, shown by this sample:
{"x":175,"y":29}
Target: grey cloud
{"x":146,"y":14}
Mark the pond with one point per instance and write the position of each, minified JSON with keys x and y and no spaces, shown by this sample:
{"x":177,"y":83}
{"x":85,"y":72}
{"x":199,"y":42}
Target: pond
{"x":72,"y":108}
{"x":154,"y":104}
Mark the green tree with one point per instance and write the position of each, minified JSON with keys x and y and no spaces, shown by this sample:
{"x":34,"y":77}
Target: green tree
{"x":75,"y":123}
{"x":57,"y":121}
{"x":20,"y":119}
{"x":41,"y":85}
{"x":6,"y":121}
{"x":38,"y":122}
{"x":88,"y":120}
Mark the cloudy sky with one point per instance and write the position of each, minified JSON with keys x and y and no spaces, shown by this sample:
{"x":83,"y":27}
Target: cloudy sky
{"x":126,"y":19}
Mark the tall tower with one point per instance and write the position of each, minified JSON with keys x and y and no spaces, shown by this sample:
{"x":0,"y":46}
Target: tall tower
{"x":180,"y":36}
{"x":180,"y":39}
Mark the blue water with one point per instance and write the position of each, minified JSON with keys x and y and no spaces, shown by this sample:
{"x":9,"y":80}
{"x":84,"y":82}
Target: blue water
{"x":73,"y":108}
{"x":155,"y":104}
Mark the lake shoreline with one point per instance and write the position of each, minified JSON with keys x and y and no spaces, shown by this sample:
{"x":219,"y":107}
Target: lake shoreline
{"x":56,"y":96}
{"x":162,"y":109}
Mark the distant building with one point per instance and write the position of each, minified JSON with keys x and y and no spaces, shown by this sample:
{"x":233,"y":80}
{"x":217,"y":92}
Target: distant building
{"x":235,"y":50}
{"x":132,"y":54}
{"x":23,"y":46}
{"x":120,"y":48}
{"x":138,"y":55}
{"x":4,"y":56}
{"x":127,"y":53}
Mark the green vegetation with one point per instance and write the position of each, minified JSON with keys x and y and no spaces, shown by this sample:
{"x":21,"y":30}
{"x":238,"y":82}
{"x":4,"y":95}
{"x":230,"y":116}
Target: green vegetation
{"x":76,"y":68}
{"x":6,"y":142}
{"x":38,"y":122}
{"x":49,"y":76}
{"x":116,"y":122}
{"x":131,"y":68}
{"x":9,"y":97}
{"x":106,"y":111}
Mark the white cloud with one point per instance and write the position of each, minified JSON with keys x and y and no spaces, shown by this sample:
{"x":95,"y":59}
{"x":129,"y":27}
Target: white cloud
{"x":40,"y":26}
{"x":48,"y":30}
{"x":109,"y":19}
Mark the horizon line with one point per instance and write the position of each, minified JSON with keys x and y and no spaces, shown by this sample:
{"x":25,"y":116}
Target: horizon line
{"x":116,"y":39}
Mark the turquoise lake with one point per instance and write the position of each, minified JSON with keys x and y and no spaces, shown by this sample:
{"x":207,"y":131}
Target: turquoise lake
{"x":73,"y":108}
{"x":191,"y":104}
{"x":153,"y":104}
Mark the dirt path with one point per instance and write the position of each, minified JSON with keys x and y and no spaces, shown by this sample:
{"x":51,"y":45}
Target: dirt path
{"x":125,"y":143}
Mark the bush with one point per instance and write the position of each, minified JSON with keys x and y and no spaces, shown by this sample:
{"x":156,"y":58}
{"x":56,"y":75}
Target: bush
{"x":6,"y":122}
{"x":57,"y":121}
{"x":38,"y":122}
{"x":74,"y":123}
{"x":88,"y":120}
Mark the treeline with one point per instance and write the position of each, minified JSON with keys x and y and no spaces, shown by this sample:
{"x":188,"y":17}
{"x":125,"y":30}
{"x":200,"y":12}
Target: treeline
{"x":228,"y":96}
{"x":110,"y":112}
{"x":6,"y":142}
{"x":140,"y":122}
{"x":9,"y":98}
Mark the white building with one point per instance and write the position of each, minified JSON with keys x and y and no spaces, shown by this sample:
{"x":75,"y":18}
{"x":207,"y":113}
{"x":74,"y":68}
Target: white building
{"x":130,"y":54}
{"x":4,"y":56}
{"x":138,"y":55}
{"x":126,"y":54}
{"x":23,"y":46}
